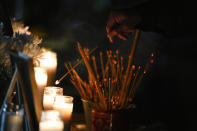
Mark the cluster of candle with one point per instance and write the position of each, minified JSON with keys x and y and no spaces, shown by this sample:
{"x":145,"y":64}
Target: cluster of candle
{"x":48,"y":61}
{"x":57,"y":108}
{"x":45,"y":70}
{"x":54,"y":99}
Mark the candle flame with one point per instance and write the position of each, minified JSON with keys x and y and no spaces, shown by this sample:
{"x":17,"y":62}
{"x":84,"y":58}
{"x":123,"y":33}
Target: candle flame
{"x":57,"y":82}
{"x":40,"y":76}
{"x":48,"y":60}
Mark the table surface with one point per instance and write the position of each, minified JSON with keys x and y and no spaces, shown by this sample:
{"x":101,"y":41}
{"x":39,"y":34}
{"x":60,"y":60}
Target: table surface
{"x":78,"y":119}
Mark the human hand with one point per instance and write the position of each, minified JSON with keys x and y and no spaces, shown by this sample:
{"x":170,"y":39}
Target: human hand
{"x":121,"y":24}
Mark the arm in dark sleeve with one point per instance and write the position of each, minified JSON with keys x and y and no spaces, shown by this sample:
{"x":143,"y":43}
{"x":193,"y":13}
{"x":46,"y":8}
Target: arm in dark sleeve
{"x":161,"y":16}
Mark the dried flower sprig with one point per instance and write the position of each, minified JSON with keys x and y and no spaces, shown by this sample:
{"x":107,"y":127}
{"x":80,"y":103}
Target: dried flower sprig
{"x":23,"y":41}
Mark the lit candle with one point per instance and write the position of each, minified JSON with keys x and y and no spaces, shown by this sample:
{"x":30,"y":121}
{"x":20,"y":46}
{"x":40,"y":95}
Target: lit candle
{"x":41,"y":79}
{"x":64,"y":104}
{"x":51,"y":126}
{"x":48,"y":101}
{"x":49,"y":96}
{"x":48,"y":60}
{"x":50,"y":121}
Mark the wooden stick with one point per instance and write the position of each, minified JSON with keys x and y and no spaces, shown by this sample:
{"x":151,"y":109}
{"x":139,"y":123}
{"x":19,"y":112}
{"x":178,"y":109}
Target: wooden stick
{"x":118,"y":65}
{"x":102,"y":65}
{"x":130,"y":76}
{"x":121,"y":66}
{"x":134,"y":82}
{"x":91,"y":75}
{"x":133,"y":49}
{"x":78,"y":82}
{"x":128,"y":85}
{"x":89,"y":68}
{"x":95,"y":67}
{"x":112,"y":67}
{"x":79,"y":62}
{"x":106,"y":68}
{"x":126,"y":92}
{"x":81,"y":82}
{"x":130,"y":61}
{"x":78,"y":88}
{"x":109,"y":95}
{"x":83,"y":95}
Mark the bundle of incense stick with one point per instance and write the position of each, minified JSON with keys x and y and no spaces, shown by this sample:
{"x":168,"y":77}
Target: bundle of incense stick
{"x":114,"y":87}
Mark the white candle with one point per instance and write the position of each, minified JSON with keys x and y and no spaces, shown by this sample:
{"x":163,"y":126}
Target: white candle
{"x":49,"y":96}
{"x":65,"y":110}
{"x":50,"y":121}
{"x":48,"y":60}
{"x":48,"y":101}
{"x":51,"y":126}
{"x":40,"y":76}
{"x":64,"y":104}
{"x":41,"y":79}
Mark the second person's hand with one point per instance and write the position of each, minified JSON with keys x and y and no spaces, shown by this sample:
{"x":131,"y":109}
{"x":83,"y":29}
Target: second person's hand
{"x":121,"y":24}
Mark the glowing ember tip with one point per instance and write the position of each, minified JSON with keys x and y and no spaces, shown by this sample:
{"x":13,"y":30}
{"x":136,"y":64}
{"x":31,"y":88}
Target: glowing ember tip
{"x":57,"y":82}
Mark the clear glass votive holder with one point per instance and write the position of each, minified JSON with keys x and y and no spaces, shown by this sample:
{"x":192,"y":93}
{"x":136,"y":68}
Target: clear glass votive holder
{"x":49,"y":96}
{"x":64,"y":104}
{"x":51,"y":121}
{"x":87,"y":106}
{"x":41,"y":80}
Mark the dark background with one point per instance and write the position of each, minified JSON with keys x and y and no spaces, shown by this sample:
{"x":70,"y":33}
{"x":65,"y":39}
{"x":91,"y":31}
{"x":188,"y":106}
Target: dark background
{"x":167,"y":94}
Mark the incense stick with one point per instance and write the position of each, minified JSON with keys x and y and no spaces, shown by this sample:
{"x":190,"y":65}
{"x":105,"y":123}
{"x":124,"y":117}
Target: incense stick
{"x":130,"y":61}
{"x":79,"y":89}
{"x":95,"y":67}
{"x":79,"y":62}
{"x":91,"y":75}
{"x":102,"y":64}
{"x":116,"y":86}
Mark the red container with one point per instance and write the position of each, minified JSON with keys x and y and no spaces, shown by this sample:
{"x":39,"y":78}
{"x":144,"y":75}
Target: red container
{"x":110,"y":121}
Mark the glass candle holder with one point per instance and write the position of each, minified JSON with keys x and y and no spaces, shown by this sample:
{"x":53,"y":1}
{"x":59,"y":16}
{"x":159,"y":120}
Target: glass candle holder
{"x":87,"y":106}
{"x":11,"y":118}
{"x":41,"y":80}
{"x":51,"y":121}
{"x":48,"y":61}
{"x":64,"y":104}
{"x":49,"y":96}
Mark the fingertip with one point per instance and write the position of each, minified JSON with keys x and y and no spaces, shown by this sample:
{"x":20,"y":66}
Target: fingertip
{"x":110,"y":38}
